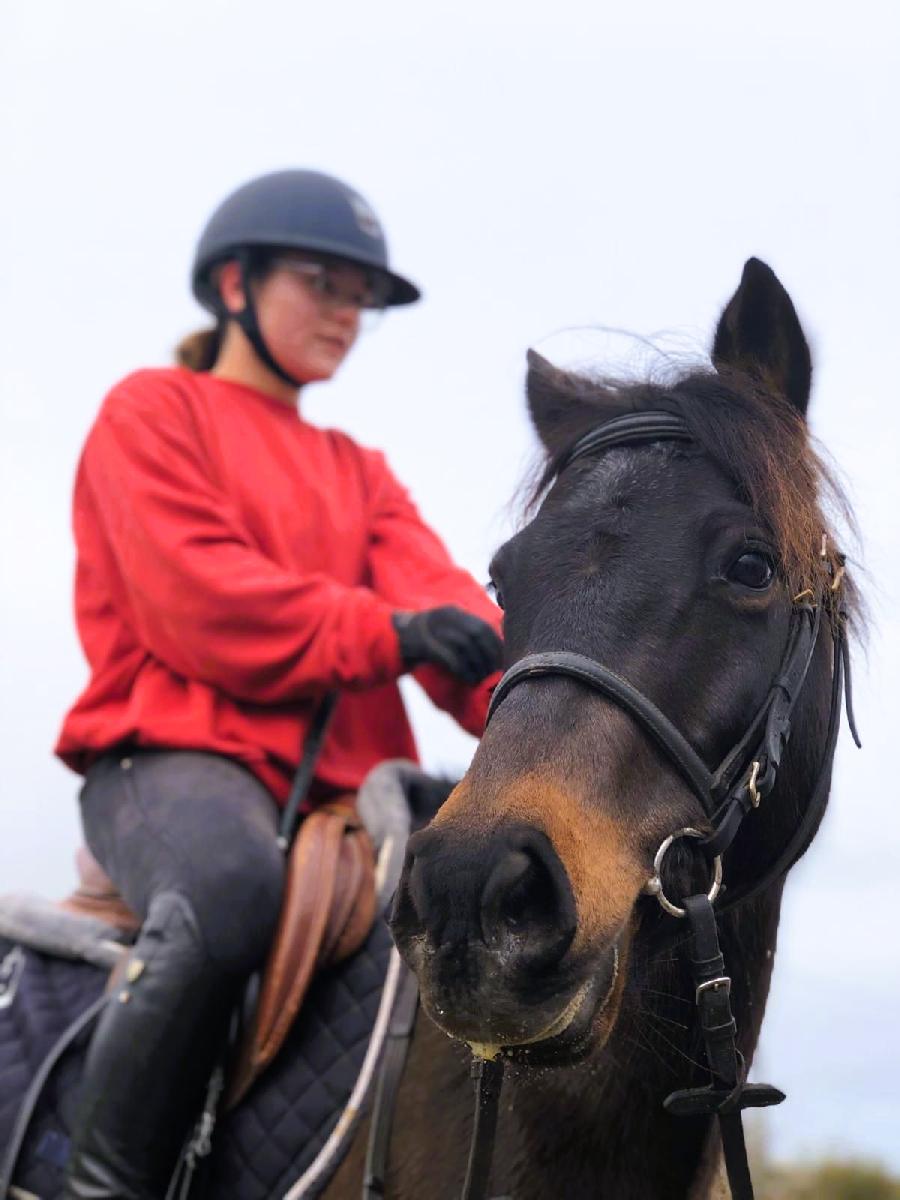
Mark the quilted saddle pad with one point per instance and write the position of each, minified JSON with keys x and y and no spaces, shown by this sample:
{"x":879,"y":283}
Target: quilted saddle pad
{"x":260,"y":1148}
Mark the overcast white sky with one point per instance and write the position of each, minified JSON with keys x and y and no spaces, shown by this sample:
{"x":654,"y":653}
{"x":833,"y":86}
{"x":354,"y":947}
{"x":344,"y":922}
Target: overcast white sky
{"x":538,"y":167}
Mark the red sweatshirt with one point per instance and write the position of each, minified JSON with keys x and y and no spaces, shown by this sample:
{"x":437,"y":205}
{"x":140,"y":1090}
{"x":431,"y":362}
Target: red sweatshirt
{"x":235,"y":563}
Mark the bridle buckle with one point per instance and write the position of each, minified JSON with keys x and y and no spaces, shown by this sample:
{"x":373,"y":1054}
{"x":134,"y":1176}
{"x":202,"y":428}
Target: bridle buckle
{"x":755,"y":797}
{"x":721,"y":981}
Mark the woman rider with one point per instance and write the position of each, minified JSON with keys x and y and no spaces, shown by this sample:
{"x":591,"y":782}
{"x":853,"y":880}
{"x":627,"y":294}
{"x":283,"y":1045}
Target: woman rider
{"x":235,"y":565}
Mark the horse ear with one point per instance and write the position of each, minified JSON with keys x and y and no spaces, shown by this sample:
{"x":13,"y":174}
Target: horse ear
{"x":759,"y":333}
{"x":557,"y":400}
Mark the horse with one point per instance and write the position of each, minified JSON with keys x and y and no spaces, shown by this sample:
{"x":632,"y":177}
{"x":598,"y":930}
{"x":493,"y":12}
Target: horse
{"x":676,"y":598}
{"x":682,"y":559}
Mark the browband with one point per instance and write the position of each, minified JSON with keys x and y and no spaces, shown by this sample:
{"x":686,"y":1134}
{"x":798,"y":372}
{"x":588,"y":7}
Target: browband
{"x":628,"y":430}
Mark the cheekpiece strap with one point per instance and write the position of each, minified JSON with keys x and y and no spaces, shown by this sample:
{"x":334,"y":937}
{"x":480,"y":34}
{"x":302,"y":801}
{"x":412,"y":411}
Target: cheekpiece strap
{"x":728,"y":1092}
{"x":844,"y":650}
{"x":757,"y":767}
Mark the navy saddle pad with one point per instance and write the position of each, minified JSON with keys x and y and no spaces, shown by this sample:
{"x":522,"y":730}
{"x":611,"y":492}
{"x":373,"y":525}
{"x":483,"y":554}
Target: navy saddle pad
{"x":261,"y":1147}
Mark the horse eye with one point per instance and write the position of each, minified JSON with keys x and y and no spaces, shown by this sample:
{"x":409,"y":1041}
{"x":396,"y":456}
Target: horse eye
{"x":753,"y":569}
{"x":495,"y":592}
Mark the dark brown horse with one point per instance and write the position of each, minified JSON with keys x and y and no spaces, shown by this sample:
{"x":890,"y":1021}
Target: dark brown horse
{"x":523,"y":908}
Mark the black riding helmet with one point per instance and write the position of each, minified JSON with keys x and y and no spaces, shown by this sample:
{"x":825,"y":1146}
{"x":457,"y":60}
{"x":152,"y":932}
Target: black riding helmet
{"x":294,"y":210}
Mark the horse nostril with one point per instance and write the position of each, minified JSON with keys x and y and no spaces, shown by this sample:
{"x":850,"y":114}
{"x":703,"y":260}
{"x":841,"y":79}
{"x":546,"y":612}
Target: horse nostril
{"x":527,"y":908}
{"x":517,"y":893}
{"x":405,"y":920}
{"x":509,"y":894}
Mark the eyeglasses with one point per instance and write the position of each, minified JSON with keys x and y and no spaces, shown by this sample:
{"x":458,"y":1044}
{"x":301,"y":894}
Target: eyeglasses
{"x":339,"y":286}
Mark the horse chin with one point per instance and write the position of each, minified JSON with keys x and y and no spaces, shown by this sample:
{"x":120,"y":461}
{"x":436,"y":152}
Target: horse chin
{"x":587,"y":1026}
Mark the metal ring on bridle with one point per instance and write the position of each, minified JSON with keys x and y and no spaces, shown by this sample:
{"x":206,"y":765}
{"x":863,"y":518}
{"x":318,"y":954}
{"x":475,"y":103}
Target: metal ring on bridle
{"x":653,"y":886}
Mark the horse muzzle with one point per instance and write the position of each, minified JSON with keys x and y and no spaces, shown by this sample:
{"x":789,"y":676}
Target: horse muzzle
{"x":487,"y":924}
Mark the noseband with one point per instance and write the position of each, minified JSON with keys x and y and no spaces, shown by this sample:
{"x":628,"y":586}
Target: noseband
{"x":730,"y":792}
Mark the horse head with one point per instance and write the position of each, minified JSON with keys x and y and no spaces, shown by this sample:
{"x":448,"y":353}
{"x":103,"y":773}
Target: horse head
{"x":678,"y":564}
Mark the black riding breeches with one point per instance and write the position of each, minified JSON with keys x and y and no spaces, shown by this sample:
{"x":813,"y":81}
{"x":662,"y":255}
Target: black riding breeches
{"x":196,"y":824}
{"x":190,"y":841}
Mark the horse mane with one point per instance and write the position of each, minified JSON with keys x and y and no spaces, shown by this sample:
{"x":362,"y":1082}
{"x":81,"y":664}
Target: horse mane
{"x":757,"y":437}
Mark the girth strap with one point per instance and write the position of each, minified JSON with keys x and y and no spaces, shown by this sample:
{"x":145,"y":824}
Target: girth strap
{"x":399,"y":1037}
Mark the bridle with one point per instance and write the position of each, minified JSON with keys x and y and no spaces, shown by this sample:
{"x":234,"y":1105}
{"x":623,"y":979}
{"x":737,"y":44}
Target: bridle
{"x":747,"y":773}
{"x":729,"y":793}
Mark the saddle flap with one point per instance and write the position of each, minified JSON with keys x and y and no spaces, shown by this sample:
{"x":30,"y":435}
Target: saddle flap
{"x":327,"y":911}
{"x":353,"y":902}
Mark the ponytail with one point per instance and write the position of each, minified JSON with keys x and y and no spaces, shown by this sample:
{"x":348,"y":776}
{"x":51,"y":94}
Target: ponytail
{"x":199,"y":351}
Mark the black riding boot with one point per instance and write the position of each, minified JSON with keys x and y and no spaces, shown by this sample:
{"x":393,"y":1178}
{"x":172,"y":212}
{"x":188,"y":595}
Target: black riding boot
{"x":149,"y":1060}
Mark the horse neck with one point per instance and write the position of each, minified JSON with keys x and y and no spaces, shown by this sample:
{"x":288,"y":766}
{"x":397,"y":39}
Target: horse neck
{"x":600,"y":1130}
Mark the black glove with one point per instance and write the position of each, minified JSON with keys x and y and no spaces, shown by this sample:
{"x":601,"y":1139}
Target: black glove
{"x":464,"y":645}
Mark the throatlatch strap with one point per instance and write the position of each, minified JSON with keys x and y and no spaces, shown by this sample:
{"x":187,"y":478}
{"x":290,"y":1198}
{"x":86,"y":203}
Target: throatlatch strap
{"x":728,"y":1091}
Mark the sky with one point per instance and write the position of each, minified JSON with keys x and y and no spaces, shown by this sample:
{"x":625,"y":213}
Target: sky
{"x":542,"y":171}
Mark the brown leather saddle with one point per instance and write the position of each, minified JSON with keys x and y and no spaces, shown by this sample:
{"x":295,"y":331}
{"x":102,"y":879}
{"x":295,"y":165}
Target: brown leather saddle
{"x":326,"y":914}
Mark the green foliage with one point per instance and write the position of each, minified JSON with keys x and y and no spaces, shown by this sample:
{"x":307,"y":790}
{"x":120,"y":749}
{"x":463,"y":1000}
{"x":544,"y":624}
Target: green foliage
{"x":829,"y":1181}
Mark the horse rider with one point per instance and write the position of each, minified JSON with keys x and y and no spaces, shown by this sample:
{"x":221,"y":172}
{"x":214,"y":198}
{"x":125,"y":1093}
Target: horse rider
{"x":237,"y":563}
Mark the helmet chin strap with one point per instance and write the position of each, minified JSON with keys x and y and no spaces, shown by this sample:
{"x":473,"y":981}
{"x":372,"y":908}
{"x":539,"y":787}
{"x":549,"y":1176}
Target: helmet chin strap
{"x":249,"y":323}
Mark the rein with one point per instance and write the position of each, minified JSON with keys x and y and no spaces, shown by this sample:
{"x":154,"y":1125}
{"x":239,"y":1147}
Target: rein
{"x":728,"y":794}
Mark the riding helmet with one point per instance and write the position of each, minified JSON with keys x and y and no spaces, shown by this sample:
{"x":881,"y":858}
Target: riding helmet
{"x":297,"y":210}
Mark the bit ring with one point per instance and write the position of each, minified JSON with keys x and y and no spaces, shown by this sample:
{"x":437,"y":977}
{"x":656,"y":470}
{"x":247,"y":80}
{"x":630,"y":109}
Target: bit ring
{"x":653,"y":886}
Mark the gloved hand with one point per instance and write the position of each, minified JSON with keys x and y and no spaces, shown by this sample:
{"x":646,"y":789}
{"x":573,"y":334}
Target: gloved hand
{"x":464,"y":645}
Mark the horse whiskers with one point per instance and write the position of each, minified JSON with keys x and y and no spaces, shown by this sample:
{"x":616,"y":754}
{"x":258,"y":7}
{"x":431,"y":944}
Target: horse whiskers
{"x":655,"y":1016}
{"x":647,"y":991}
{"x":643,"y":1048}
{"x":661,"y":1035}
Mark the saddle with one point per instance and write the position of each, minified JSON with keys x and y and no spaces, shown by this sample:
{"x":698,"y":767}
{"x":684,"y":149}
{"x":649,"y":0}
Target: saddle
{"x":96,"y":897}
{"x":60,"y":960}
{"x":327,"y":912}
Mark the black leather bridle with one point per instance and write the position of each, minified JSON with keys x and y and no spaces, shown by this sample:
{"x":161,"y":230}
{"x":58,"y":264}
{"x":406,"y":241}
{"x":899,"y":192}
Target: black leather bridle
{"x":744,"y":778}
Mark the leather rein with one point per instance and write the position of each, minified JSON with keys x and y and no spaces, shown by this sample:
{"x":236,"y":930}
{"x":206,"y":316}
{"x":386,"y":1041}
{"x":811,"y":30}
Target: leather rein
{"x":728,"y":794}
